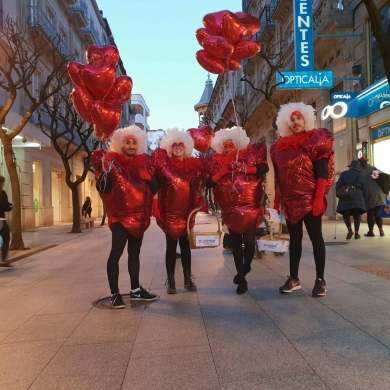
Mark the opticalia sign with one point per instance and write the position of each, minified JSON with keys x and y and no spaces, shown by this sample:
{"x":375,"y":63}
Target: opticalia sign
{"x":373,"y":98}
{"x":308,"y":79}
{"x":381,"y":132}
{"x":349,"y":99}
{"x":303,"y":35}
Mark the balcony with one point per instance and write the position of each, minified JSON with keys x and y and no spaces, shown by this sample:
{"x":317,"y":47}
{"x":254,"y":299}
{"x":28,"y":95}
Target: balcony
{"x":245,"y":4}
{"x":266,"y":21}
{"x":91,"y":34}
{"x":37,"y":18}
{"x":80,"y":13}
{"x":71,"y":2}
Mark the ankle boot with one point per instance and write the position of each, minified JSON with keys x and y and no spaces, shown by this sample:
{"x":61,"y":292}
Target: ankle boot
{"x":170,"y":283}
{"x":242,"y":285}
{"x":188,"y":281}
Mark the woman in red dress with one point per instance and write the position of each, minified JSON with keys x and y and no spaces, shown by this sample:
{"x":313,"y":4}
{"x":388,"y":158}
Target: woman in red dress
{"x":180,"y":178}
{"x":237,"y":170}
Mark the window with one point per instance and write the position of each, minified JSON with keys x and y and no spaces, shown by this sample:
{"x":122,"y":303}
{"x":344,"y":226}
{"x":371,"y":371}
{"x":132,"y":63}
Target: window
{"x":378,"y":69}
{"x":35,"y":85}
{"x":50,"y":16}
{"x":63,"y":35}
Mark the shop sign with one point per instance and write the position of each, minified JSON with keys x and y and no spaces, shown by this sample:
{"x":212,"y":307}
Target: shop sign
{"x":348,"y":98}
{"x":309,"y":79}
{"x":373,"y":98}
{"x":303,"y":35}
{"x":381,"y":132}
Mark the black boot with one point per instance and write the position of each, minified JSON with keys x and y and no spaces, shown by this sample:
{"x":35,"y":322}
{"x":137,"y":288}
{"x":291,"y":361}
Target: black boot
{"x":242,"y":285}
{"x":247,"y":270}
{"x":188,"y":281}
{"x":170,"y":283}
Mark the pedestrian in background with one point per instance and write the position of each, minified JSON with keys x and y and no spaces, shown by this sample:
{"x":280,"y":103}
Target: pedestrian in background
{"x":375,"y":198}
{"x":5,"y":206}
{"x":87,"y":207}
{"x":355,"y":205}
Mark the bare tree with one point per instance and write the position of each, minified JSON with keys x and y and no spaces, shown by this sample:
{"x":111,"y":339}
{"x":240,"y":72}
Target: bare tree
{"x":382,"y":37}
{"x":22,"y":50}
{"x":70,"y":137}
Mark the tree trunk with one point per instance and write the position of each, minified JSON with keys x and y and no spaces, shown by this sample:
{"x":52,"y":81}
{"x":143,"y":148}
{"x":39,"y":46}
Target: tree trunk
{"x":17,"y":239}
{"x":76,"y":227}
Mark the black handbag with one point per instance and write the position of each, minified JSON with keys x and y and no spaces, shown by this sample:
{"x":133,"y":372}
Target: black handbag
{"x":345,"y":191}
{"x":103,"y":183}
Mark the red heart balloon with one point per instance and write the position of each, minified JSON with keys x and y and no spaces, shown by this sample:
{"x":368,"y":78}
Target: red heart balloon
{"x":234,"y":65}
{"x":213,"y":21}
{"x":246,"y":49}
{"x":210,"y":63}
{"x":218,"y":46}
{"x":106,"y":117}
{"x":98,"y":79}
{"x":232,"y":28}
{"x":74,"y":69}
{"x":121,"y":91}
{"x":202,"y":137}
{"x":82,"y":102}
{"x":252,"y":25}
{"x":202,"y":33}
{"x":96,"y":55}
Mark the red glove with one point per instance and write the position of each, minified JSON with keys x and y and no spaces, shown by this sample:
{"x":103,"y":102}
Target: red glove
{"x":224,"y":170}
{"x":277,"y":202}
{"x":318,"y":202}
{"x":201,"y":201}
{"x":155,"y":209}
{"x":251,"y":170}
{"x":145,"y":175}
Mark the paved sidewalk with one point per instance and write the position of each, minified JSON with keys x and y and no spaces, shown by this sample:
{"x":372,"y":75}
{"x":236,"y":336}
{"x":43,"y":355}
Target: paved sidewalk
{"x":52,"y":337}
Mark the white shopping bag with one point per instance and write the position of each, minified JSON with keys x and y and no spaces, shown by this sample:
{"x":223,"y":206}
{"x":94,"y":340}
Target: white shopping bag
{"x":273,"y":245}
{"x":274,"y":216}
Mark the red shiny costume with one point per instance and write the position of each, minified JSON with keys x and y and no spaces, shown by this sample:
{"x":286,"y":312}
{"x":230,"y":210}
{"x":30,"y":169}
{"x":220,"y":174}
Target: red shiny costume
{"x":178,"y":194}
{"x":130,"y":201}
{"x":293,"y":158}
{"x":240,"y":195}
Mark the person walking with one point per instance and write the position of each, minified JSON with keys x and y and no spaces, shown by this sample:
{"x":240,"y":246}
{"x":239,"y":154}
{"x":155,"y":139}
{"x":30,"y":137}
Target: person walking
{"x":303,"y":161}
{"x":5,"y":206}
{"x":375,"y":198}
{"x":87,"y":207}
{"x":236,"y":173}
{"x":355,"y":205}
{"x":180,"y":179}
{"x":126,"y":186}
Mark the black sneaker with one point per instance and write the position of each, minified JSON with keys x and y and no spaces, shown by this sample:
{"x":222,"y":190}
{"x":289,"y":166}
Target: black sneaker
{"x":349,"y":235}
{"x":142,"y":295}
{"x":369,"y":234}
{"x":236,"y":278}
{"x":357,"y":236}
{"x":117,"y":301}
{"x":290,"y":285}
{"x":319,"y":289}
{"x":382,"y":233}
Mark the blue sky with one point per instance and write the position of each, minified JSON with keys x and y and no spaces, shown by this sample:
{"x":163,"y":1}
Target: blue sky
{"x":156,"y":40}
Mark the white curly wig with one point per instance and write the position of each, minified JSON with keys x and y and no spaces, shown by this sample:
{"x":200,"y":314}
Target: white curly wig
{"x":236,"y":134}
{"x":119,"y":136}
{"x":172,"y":135}
{"x":283,"y":120}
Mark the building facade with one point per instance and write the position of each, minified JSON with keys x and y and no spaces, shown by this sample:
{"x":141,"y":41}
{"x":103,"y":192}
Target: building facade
{"x":45,"y":197}
{"x":344,"y":44}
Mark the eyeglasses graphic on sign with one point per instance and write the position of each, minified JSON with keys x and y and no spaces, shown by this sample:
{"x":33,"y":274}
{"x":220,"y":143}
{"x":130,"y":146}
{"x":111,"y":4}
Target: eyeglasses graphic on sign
{"x":331,"y":111}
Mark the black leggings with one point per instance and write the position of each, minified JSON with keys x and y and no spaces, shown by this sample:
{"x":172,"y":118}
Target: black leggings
{"x":4,"y":233}
{"x":120,"y":236}
{"x":243,"y":258}
{"x":374,"y":217}
{"x":170,"y":254}
{"x":356,"y":218}
{"x":314,"y":229}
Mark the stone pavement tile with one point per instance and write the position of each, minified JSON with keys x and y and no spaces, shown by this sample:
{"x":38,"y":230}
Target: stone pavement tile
{"x":4,"y":334}
{"x":21,"y":363}
{"x":374,"y":286}
{"x":189,"y":371}
{"x":74,"y":299}
{"x":9,"y":274}
{"x":32,"y":277}
{"x":305,"y":316}
{"x":347,"y":359}
{"x":107,"y":326}
{"x":294,"y":382}
{"x":46,"y":327}
{"x":11,"y":319}
{"x":86,"y":367}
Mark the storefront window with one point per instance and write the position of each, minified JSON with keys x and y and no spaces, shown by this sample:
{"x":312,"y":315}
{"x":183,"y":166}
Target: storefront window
{"x":378,"y":69}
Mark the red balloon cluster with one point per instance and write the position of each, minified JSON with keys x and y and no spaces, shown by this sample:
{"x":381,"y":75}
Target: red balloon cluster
{"x":99,"y":94}
{"x":202,"y":137}
{"x":223,"y":40}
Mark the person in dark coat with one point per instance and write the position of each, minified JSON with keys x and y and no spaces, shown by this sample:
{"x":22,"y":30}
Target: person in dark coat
{"x":5,"y":206}
{"x":375,"y":198}
{"x":87,"y":207}
{"x":354,"y":206}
